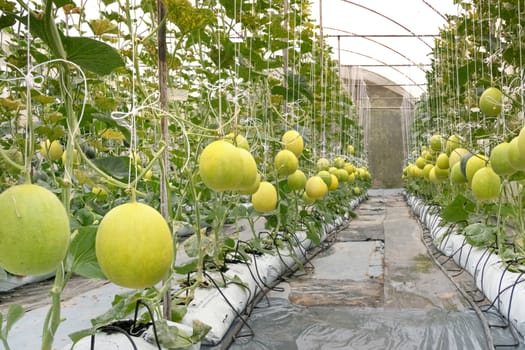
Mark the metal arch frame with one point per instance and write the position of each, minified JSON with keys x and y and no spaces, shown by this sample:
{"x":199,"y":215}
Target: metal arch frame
{"x":378,"y":43}
{"x":381,"y":44}
{"x":387,"y":18}
{"x":386,"y":65}
{"x":436,"y":11}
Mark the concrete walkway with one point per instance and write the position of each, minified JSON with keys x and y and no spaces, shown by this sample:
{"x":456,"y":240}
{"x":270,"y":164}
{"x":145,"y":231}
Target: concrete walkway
{"x":376,"y":287}
{"x":379,"y":260}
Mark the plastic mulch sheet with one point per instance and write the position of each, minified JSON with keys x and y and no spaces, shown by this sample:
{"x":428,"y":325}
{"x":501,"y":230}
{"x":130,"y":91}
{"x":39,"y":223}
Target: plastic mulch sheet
{"x":283,"y":326}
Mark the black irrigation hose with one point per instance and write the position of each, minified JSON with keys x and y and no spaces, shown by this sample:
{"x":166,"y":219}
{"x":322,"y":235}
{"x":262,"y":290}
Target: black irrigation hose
{"x":131,"y":333}
{"x":152,"y":321}
{"x":451,"y":256}
{"x":228,"y":340}
{"x":258,"y":278}
{"x":479,"y":313}
{"x":115,"y":329}
{"x":490,"y":308}
{"x":239,"y":316}
{"x":468,"y":255}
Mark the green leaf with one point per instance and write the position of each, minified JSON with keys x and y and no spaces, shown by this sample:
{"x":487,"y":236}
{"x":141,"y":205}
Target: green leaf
{"x":117,"y":167}
{"x":85,"y":217}
{"x":169,"y":336}
{"x":112,"y":123}
{"x":200,"y":329}
{"x":82,"y":253}
{"x":458,"y":210}
{"x":186,"y":268}
{"x":60,"y":3}
{"x":14,"y":313}
{"x":480,"y":234}
{"x":76,"y":336}
{"x":123,"y":304}
{"x":238,"y":281}
{"x":517,"y":176}
{"x":313,"y":232}
{"x":178,"y":312}
{"x":92,"y":55}
{"x":229,"y":242}
{"x":191,"y":246}
{"x":54,"y":133}
{"x":38,"y":28}
{"x":7,"y":20}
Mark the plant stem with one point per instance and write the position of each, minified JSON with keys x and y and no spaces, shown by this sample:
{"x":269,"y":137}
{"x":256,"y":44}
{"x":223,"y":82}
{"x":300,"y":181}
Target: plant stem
{"x":9,"y":161}
{"x":6,"y":344}
{"x":52,"y":320}
{"x":200,"y":261}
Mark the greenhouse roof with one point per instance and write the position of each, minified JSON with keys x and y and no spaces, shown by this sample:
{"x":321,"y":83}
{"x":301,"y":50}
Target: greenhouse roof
{"x":391,"y":38}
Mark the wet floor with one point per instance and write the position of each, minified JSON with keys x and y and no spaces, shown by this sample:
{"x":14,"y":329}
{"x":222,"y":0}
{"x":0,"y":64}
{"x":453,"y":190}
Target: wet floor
{"x":375,"y":287}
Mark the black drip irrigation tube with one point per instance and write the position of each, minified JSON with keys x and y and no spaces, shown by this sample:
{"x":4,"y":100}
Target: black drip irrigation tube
{"x":129,"y":329}
{"x":478,"y":304}
{"x":233,"y":332}
{"x":484,"y":323}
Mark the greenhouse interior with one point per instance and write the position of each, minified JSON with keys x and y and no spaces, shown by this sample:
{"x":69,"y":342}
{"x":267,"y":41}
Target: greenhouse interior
{"x":262,"y":174}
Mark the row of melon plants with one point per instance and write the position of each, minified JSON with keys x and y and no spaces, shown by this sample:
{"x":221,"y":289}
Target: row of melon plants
{"x":465,"y":153}
{"x":81,"y":121}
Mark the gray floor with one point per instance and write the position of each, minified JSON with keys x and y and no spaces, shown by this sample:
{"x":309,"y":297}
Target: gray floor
{"x":376,"y":287}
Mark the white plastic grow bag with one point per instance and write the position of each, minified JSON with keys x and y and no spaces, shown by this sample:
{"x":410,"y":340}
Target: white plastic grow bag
{"x":218,"y":309}
{"x":214,"y":309}
{"x":504,"y":289}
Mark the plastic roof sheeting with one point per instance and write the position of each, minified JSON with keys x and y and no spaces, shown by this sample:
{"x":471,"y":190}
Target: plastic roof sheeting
{"x":390,"y":38}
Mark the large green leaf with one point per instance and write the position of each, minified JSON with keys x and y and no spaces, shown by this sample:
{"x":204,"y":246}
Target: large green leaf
{"x":188,"y":267}
{"x":458,"y":210}
{"x":118,"y":167}
{"x":82,"y":253}
{"x":92,"y":55}
{"x":37,"y":28}
{"x":480,"y":234}
{"x":89,"y":54}
{"x":7,"y":20}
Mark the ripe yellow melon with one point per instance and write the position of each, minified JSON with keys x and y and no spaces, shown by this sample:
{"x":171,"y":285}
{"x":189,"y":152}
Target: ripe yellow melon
{"x":516,"y":159}
{"x":220,"y":165}
{"x":293,"y":141}
{"x":316,"y":188}
{"x":486,"y":184}
{"x":51,"y":150}
{"x":265,"y":199}
{"x":323,"y":164}
{"x":34,"y":230}
{"x":134,"y":246}
{"x":285,"y":163}
{"x":436,"y":143}
{"x":297,"y":180}
{"x":239,"y":140}
{"x":490,"y":102}
{"x":456,"y":155}
{"x":500,"y":161}
{"x":334,"y":183}
{"x":248,"y":170}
